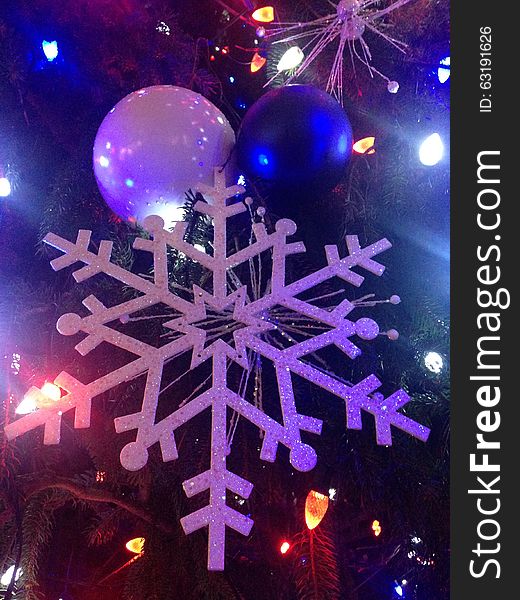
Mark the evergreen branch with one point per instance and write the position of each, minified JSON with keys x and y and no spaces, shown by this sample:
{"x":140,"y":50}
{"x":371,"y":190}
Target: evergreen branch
{"x":97,"y":495}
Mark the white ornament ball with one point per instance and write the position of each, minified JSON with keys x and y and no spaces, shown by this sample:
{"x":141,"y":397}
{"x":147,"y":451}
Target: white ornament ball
{"x":395,"y":299}
{"x":155,"y":145}
{"x":392,"y":334}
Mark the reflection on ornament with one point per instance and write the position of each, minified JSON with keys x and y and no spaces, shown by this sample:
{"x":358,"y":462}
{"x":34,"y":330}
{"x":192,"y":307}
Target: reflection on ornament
{"x":290,"y":59}
{"x":346,"y":25}
{"x":431,"y":150}
{"x":50,"y":49}
{"x":136,"y":545}
{"x":5,"y":187}
{"x":433,"y":362}
{"x":258,"y":62}
{"x":316,"y":506}
{"x":284,"y":548}
{"x":376,"y":528}
{"x":264,"y":14}
{"x":365,"y":146}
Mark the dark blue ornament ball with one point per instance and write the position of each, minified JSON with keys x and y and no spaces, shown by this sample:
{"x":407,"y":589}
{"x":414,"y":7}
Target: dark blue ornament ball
{"x":295,"y":137}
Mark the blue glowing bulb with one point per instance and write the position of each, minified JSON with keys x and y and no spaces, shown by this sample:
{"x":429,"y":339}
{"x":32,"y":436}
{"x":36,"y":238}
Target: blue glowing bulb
{"x":5,"y":187}
{"x":50,"y":49}
{"x":231,"y":79}
{"x":263,"y":160}
{"x":443,"y":72}
{"x":431,"y":150}
{"x":399,"y":590}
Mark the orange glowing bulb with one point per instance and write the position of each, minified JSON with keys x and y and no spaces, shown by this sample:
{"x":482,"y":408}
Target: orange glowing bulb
{"x":257,"y":63}
{"x":365,"y":146}
{"x":284,"y":548}
{"x":316,"y":506}
{"x":264,"y":14}
{"x":376,"y":528}
{"x":136,"y":545}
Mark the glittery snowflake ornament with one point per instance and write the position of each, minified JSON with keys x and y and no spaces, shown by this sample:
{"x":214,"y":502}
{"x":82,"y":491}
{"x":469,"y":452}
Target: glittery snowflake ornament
{"x":252,"y":341}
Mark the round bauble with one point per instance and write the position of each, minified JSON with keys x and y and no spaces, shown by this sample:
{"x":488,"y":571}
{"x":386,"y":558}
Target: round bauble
{"x":155,"y":145}
{"x":296,"y":137}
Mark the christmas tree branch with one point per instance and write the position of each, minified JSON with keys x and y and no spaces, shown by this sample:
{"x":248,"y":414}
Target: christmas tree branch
{"x":97,"y":495}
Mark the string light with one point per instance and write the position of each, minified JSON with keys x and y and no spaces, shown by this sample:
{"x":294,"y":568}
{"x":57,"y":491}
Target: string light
{"x":376,"y":528}
{"x":431,"y":150}
{"x":433,"y":362}
{"x":332,"y":493}
{"x":365,"y":146}
{"x":284,"y":548}
{"x":5,"y":187}
{"x":27,"y":405}
{"x":39,"y":398}
{"x":6,"y":578}
{"x":263,"y":15}
{"x":316,"y":506}
{"x":135,"y":545}
{"x":290,"y":59}
{"x":443,"y":72}
{"x":398,"y":590}
{"x":50,"y":49}
{"x":51,"y":391}
{"x":258,"y":62}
